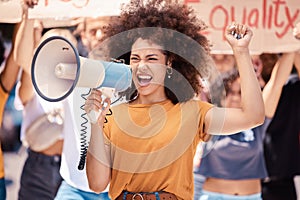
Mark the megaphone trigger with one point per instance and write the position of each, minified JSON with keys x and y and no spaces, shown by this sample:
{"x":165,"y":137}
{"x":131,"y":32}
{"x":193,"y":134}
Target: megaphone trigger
{"x":93,"y":116}
{"x":107,"y":92}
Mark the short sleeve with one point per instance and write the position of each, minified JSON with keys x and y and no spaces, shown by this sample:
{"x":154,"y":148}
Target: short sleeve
{"x":204,"y":108}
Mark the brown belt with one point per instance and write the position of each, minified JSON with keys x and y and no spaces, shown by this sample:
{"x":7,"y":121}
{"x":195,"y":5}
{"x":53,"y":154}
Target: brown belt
{"x":146,"y":196}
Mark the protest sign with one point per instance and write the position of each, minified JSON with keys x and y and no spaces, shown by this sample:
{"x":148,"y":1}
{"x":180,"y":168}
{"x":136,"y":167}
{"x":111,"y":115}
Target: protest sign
{"x":272,"y":21}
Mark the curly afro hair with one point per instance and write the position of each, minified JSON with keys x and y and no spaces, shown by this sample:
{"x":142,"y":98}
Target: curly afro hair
{"x":173,"y":26}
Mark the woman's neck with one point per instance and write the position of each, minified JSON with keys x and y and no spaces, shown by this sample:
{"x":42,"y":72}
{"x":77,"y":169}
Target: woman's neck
{"x":149,"y":99}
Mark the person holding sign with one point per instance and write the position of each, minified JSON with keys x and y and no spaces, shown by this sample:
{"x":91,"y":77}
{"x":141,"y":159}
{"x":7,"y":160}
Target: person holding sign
{"x":230,"y":176}
{"x":282,"y":144}
{"x":8,"y":78}
{"x":42,"y":124}
{"x":50,"y":170}
{"x":144,"y":148}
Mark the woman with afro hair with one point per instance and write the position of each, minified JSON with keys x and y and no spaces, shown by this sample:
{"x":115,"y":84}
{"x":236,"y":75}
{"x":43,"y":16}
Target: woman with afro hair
{"x":144,"y":147}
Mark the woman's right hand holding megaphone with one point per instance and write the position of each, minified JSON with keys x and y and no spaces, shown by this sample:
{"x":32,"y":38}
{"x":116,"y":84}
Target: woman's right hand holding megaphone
{"x":96,"y":107}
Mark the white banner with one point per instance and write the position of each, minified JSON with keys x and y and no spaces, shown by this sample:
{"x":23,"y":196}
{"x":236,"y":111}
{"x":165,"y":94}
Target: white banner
{"x":272,"y":21}
{"x":10,"y":10}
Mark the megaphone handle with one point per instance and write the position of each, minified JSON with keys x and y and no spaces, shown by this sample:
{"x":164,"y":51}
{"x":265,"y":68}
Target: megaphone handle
{"x":107,"y":93}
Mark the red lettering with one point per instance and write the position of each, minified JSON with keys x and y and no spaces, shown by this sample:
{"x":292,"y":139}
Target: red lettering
{"x":274,"y":14}
{"x":232,"y":14}
{"x":226,"y":17}
{"x":253,"y":18}
{"x":82,"y":5}
{"x":191,"y":1}
{"x":277,"y":4}
{"x":264,"y":13}
{"x":270,"y":17}
{"x":291,"y":21}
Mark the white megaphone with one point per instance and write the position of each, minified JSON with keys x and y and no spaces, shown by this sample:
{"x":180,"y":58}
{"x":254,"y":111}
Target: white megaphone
{"x":57,"y":69}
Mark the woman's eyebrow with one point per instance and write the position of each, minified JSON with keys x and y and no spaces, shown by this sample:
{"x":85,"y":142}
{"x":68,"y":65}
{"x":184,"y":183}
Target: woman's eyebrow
{"x":150,"y":55}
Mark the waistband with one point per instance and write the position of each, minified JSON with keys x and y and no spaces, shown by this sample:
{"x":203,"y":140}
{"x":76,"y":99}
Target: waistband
{"x":42,"y":158}
{"x":217,"y":195}
{"x":125,"y":195}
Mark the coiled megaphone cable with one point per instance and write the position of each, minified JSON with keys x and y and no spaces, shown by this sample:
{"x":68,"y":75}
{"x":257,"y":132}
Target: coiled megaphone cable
{"x":84,"y":143}
{"x":83,"y":138}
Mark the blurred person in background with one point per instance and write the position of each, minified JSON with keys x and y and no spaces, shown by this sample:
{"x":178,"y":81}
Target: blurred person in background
{"x":241,"y":182}
{"x":89,"y":33}
{"x":60,"y":158}
{"x":258,"y":67}
{"x":8,"y":78}
{"x":224,"y":62}
{"x":75,"y":185}
{"x":263,"y":65}
{"x":42,"y":125}
{"x":212,"y":93}
{"x":269,"y":61}
{"x":230,"y":175}
{"x":281,"y":145}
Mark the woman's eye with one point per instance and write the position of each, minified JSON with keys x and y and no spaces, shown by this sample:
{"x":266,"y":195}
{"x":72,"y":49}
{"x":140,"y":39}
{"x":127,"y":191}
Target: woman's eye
{"x":153,"y":59}
{"x":134,"y":59}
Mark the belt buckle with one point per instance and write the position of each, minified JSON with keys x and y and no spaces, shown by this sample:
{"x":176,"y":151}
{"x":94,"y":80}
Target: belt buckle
{"x":137,"y":195}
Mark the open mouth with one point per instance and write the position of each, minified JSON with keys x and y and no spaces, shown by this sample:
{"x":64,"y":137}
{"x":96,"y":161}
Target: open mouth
{"x":144,"y":79}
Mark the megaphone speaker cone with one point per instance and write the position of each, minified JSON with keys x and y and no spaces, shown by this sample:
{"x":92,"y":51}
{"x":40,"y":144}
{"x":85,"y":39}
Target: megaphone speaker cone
{"x":50,"y":53}
{"x":57,"y":69}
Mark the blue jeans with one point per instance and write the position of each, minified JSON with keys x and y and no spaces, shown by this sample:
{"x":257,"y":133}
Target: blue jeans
{"x":67,"y":192}
{"x":2,"y":189}
{"x":219,"y":196}
{"x":198,"y":182}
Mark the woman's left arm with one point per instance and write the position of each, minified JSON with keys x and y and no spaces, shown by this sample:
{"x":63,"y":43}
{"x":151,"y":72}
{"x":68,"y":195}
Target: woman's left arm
{"x":231,"y":120}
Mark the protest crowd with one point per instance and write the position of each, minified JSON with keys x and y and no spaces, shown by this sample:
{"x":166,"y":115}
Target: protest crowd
{"x":199,"y":118}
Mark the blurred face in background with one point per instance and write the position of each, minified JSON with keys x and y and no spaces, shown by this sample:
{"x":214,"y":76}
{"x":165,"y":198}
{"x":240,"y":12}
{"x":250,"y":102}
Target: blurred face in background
{"x":258,"y":68}
{"x":92,"y":33}
{"x":257,"y":64}
{"x":233,"y":95}
{"x":224,"y":62}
